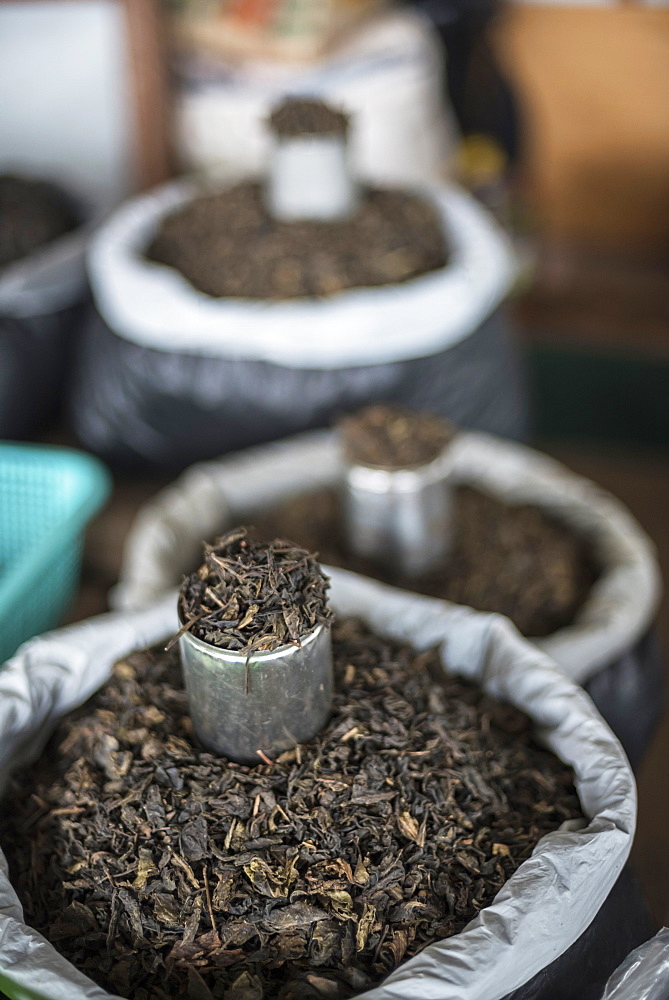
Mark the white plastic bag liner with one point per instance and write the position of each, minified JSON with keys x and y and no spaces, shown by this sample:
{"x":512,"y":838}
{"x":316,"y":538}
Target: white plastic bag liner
{"x":388,"y":75}
{"x":644,"y":975}
{"x":154,"y":306}
{"x":541,"y":911}
{"x":164,"y":541}
{"x":46,"y":281}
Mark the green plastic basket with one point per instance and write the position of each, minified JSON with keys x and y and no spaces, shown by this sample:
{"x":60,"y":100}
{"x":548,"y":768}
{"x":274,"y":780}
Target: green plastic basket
{"x":47,"y":497}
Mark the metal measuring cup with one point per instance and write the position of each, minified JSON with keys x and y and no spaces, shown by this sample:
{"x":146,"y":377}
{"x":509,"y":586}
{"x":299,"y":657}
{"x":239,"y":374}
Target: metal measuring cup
{"x":252,"y":707}
{"x":400,"y":519}
{"x":310,"y":176}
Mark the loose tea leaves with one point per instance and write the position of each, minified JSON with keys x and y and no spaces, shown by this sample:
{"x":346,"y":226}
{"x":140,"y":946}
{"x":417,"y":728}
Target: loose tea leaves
{"x":226,"y":244}
{"x":162,"y":871}
{"x":298,"y":116}
{"x":249,"y":596}
{"x":513,"y":559}
{"x":392,"y":437}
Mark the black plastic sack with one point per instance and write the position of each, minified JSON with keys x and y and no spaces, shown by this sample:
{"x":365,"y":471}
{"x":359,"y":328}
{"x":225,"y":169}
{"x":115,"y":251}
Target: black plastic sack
{"x":41,"y":310}
{"x":141,"y":407}
{"x":629,"y":692}
{"x":35,"y":360}
{"x":581,"y":973}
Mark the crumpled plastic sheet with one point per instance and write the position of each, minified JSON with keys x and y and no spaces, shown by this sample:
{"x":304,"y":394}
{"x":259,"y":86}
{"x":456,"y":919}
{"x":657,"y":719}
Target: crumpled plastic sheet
{"x":644,"y":975}
{"x":155,"y":306}
{"x":165,"y":539}
{"x":46,"y":281}
{"x":541,"y":910}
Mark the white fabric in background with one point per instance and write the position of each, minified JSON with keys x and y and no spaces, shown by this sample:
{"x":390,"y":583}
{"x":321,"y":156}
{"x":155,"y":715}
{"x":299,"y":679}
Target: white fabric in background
{"x":542,"y":909}
{"x":387,"y":74}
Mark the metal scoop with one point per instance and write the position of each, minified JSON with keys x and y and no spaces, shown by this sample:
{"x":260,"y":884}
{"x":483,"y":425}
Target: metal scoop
{"x":251,"y":708}
{"x":400,"y":519}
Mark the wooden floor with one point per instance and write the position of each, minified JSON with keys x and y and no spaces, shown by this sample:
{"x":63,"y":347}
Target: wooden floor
{"x":641,"y":482}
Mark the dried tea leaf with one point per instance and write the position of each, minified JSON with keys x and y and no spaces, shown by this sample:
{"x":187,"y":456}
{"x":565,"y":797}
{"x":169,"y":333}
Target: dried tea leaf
{"x":260,"y":875}
{"x":185,"y":867}
{"x":74,"y":921}
{"x":166,"y":910}
{"x":296,"y":916}
{"x":251,"y":612}
{"x":501,"y":849}
{"x":223,"y":891}
{"x":365,"y":924}
{"x":197,"y":988}
{"x":343,"y":866}
{"x":194,"y":840}
{"x":339,"y":903}
{"x":245,"y":987}
{"x":133,"y":913}
{"x":361,"y":874}
{"x":325,"y":987}
{"x":408,"y":826}
{"x":399,"y":942}
{"x":145,"y":868}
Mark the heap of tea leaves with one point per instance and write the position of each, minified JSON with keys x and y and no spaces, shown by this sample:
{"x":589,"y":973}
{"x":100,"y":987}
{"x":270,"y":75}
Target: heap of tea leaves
{"x":511,"y":558}
{"x":393,"y":437}
{"x":160,"y":870}
{"x":298,"y":116}
{"x":249,"y":596}
{"x":226,"y":244}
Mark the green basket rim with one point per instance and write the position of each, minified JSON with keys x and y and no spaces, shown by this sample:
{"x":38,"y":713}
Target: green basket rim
{"x":96,"y":479}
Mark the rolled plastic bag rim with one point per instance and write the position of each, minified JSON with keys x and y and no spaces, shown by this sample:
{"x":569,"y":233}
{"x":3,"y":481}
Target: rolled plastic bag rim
{"x":538,"y":914}
{"x":214,"y":495}
{"x":154,"y":306}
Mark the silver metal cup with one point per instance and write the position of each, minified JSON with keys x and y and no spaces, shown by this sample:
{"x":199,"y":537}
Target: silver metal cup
{"x":310,"y":178}
{"x":400,"y":519}
{"x":245,"y":707}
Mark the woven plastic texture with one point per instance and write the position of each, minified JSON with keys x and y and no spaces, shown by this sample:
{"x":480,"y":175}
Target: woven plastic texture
{"x":47,"y":497}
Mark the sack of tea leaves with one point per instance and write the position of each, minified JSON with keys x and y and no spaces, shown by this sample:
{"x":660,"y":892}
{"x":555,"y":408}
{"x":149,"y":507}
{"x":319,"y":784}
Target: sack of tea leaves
{"x":567,"y":908}
{"x":609,"y":645}
{"x":42,"y":287}
{"x":169,"y":374}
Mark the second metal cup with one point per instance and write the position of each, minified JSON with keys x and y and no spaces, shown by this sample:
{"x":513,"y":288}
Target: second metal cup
{"x":401,"y":519}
